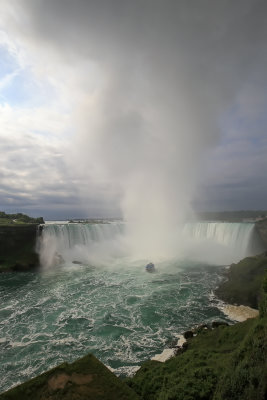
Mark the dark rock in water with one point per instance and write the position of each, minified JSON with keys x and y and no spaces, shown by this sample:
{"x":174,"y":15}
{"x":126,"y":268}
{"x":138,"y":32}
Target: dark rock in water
{"x":216,"y":324}
{"x":188,"y":334}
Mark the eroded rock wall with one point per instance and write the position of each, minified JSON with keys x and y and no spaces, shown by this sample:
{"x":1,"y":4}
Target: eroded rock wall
{"x":261,"y":228}
{"x":18,"y":247}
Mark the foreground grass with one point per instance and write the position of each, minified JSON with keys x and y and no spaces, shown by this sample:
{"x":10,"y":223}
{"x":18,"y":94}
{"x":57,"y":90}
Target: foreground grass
{"x":85,"y":379}
{"x":226,"y":363}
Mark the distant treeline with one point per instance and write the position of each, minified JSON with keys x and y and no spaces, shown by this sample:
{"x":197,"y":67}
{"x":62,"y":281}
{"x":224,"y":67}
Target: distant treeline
{"x":232,"y":215}
{"x":19,"y":218}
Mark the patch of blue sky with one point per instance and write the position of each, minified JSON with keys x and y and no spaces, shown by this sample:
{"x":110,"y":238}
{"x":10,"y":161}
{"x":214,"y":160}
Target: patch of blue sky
{"x":8,"y":63}
{"x":23,"y":90}
{"x":18,"y":86}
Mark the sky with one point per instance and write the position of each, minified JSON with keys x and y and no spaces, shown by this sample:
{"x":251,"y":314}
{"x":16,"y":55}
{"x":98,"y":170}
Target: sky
{"x":145,"y":109}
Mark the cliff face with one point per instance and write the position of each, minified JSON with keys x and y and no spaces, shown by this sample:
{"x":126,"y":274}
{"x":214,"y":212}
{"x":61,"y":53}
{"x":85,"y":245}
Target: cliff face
{"x":17,"y":247}
{"x":261,"y":228}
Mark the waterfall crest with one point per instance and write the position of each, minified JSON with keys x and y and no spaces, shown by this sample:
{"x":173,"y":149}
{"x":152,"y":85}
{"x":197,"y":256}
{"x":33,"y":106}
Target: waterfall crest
{"x":228,"y":234}
{"x":78,"y":242}
{"x":216,"y":242}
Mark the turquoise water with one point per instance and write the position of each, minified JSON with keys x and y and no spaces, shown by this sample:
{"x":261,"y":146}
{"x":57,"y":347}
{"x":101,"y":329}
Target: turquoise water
{"x":123,"y":315}
{"x":92,"y":296}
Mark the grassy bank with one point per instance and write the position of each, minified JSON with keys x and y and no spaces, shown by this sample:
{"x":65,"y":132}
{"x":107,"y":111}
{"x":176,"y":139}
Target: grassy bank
{"x":85,"y":379}
{"x":243,"y":281}
{"x":228,"y":362}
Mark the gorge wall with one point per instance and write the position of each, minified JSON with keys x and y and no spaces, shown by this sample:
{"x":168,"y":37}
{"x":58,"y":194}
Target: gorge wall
{"x":18,"y":247}
{"x":261,"y":229}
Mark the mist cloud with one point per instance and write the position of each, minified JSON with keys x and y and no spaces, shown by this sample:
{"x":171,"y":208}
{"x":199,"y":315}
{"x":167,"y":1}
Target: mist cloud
{"x":150,"y":85}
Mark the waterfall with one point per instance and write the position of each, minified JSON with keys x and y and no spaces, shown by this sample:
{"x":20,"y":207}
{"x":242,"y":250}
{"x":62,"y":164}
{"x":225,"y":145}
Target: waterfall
{"x":216,"y":242}
{"x":70,"y":235}
{"x":77,"y":242}
{"x":229,"y":234}
{"x":219,"y":242}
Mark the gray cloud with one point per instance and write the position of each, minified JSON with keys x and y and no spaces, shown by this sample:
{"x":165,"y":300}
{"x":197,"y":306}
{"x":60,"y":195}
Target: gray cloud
{"x":168,"y":74}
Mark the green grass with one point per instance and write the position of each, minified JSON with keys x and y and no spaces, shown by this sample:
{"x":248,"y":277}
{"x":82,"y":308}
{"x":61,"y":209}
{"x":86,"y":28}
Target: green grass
{"x":6,"y":221}
{"x":19,"y":218}
{"x":244,"y":280}
{"x":227,"y":363}
{"x":195,"y":373}
{"x":102,"y":384}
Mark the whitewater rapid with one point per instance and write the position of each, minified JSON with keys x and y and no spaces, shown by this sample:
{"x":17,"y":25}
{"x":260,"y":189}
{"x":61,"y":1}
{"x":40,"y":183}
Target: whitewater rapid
{"x":123,"y":315}
{"x":91,"y":296}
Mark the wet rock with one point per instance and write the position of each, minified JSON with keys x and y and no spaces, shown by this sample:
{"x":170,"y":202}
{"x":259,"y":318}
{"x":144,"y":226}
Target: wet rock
{"x":188,"y":334}
{"x":201,"y":328}
{"x":172,"y":344}
{"x":216,"y":324}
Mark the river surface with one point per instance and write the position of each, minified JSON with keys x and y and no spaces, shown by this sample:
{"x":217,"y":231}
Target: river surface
{"x":123,"y":315}
{"x":81,"y":301}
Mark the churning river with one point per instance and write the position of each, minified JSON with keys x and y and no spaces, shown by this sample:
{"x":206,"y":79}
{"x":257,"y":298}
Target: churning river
{"x":116,"y":310}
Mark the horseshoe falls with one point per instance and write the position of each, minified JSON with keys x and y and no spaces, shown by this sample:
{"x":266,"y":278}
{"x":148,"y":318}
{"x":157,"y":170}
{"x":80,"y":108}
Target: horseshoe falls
{"x":93,"y":295}
{"x":216,"y":242}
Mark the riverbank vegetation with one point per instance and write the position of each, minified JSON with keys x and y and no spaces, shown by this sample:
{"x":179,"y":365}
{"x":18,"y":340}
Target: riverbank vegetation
{"x":243,"y":281}
{"x":228,"y":362}
{"x":233,"y":216}
{"x":19,"y":218}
